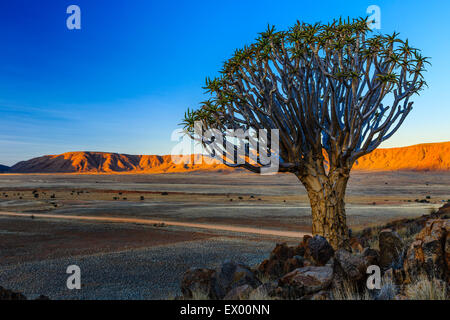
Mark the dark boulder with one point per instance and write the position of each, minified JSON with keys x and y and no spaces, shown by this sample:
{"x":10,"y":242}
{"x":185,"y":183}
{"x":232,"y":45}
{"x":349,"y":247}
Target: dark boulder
{"x":198,"y":280}
{"x":282,"y":252}
{"x":305,"y":281}
{"x":293,"y":263}
{"x":354,"y":266}
{"x":6,"y":294}
{"x":239,"y":293}
{"x":371,"y":256}
{"x":319,"y":250}
{"x":282,"y":260}
{"x":231,"y":275}
{"x":391,"y":249}
{"x":430,"y":252}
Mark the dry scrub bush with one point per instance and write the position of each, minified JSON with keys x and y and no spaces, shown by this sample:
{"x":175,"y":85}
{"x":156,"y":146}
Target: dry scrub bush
{"x":424,"y":288}
{"x":260,"y":295}
{"x":348,"y":291}
{"x":199,"y":295}
{"x":388,"y":289}
{"x":265,"y":278}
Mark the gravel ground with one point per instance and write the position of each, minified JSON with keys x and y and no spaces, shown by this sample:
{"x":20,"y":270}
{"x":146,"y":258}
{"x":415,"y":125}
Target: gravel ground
{"x":137,"y":262}
{"x":151,"y":273}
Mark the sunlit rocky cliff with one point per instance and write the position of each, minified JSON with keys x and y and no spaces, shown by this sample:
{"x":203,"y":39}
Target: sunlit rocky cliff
{"x":423,"y":157}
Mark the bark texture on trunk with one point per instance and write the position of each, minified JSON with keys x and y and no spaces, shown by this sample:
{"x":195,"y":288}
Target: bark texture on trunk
{"x":327,"y":194}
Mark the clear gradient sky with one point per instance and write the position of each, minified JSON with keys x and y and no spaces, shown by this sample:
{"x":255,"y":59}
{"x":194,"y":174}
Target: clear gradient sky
{"x":123,"y":82}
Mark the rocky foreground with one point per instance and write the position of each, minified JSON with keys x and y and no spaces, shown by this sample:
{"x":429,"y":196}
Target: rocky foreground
{"x":413,"y":256}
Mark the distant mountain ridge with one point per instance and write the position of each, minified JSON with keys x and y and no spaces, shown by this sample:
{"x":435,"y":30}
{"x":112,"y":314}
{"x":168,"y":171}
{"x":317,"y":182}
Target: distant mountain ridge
{"x":420,"y":157}
{"x":423,"y":157}
{"x":104,"y":162}
{"x":4,"y":168}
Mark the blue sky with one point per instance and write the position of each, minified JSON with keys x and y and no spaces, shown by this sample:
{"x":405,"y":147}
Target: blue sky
{"x":123,"y":82}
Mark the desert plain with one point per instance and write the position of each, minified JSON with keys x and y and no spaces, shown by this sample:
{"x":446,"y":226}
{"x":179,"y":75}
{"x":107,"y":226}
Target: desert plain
{"x":134,"y":235}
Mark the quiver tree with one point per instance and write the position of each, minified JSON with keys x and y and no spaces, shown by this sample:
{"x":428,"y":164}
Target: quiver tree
{"x":333,"y":92}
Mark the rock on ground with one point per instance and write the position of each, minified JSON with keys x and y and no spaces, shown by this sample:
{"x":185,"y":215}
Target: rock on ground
{"x":304,"y":281}
{"x":429,"y":253}
{"x":391,"y":249}
{"x":354,"y":266}
{"x":239,"y":293}
{"x":231,"y":275}
{"x":199,"y":280}
{"x":319,"y":250}
{"x":284,"y":259}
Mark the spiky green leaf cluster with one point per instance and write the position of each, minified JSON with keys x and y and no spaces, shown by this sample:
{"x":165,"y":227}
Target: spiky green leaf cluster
{"x":340,"y":46}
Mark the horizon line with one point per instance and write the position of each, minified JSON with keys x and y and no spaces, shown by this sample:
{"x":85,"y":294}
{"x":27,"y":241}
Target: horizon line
{"x":194,"y":154}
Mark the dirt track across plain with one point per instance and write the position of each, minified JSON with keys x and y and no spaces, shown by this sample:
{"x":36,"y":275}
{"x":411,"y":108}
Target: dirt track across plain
{"x":109,"y":225}
{"x":266,"y":232}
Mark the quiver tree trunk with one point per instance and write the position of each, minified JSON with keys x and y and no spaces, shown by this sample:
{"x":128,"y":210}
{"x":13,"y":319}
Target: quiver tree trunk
{"x":323,"y":87}
{"x":327,"y":194}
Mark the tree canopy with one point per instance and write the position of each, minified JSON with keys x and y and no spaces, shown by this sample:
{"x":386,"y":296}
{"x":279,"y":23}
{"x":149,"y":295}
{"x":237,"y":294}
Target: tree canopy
{"x":326,"y":87}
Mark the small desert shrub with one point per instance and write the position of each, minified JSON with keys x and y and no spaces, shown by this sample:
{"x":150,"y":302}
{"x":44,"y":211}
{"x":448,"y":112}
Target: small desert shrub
{"x":408,"y":233}
{"x":196,"y":295}
{"x":199,"y":295}
{"x":172,"y":297}
{"x":348,"y":291}
{"x":259,"y":295}
{"x":264,"y":278}
{"x":388,"y":289}
{"x":424,"y":288}
{"x":373,"y":243}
